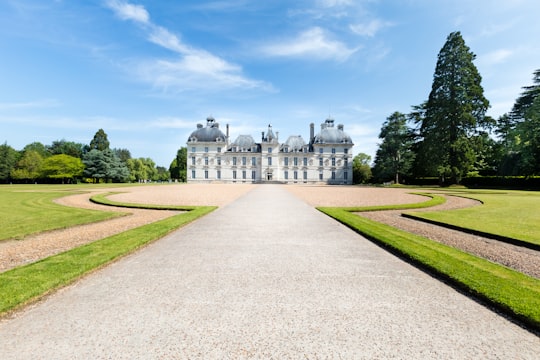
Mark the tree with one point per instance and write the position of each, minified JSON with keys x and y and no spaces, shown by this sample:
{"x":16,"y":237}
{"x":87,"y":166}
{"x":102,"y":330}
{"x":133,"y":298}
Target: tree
{"x":162,"y":173}
{"x":178,"y":167}
{"x":454,"y":112}
{"x":38,"y":147}
{"x":100,"y":141}
{"x":526,"y":99}
{"x":123,"y":154}
{"x":104,"y":165}
{"x":66,"y":147}
{"x":394,"y":156}
{"x":63,"y":167}
{"x":28,"y":167}
{"x":529,"y":134}
{"x":8,"y":158}
{"x":361,"y":168}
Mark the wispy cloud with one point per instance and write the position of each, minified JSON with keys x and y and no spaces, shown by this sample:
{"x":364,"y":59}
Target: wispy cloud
{"x":194,"y":68}
{"x":314,"y":43}
{"x":46,"y":103}
{"x":496,"y":57}
{"x":369,"y":28}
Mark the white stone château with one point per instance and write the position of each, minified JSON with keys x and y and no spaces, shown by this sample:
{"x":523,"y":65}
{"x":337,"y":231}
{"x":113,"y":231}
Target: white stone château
{"x":325,"y":159}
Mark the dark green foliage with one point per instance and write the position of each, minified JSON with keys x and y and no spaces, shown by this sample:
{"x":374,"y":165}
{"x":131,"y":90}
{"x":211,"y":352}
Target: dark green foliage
{"x":8,"y":158}
{"x":452,"y":115}
{"x":28,"y":168}
{"x":39,"y":148}
{"x":361,"y":168}
{"x":104,"y":165}
{"x":100,"y":141}
{"x":395,"y":156}
{"x":178,"y":167}
{"x":526,"y":99}
{"x":123,"y":154}
{"x":67,"y":148}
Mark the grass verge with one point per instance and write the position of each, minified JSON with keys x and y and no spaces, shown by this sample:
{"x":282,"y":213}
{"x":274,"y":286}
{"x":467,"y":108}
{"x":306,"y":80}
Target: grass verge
{"x":511,"y":292}
{"x":28,"y":283}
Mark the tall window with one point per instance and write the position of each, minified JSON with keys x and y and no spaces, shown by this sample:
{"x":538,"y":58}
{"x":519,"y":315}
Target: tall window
{"x":333,"y":150}
{"x":305,"y":161}
{"x":295,"y":175}
{"x":218,"y":149}
{"x":206,"y":160}
{"x":244,"y":174}
{"x":206,"y":149}
{"x":320,"y":161}
{"x":193,"y":160}
{"x":269,"y":160}
{"x":253,"y":161}
{"x":320,"y":175}
{"x":269,"y":150}
{"x":333,"y":161}
{"x":333,"y":175}
{"x":218,"y":174}
{"x":345,"y":151}
{"x":345,"y":162}
{"x":244,"y":160}
{"x":234,"y":174}
{"x":193,"y":149}
{"x":286,"y":175}
{"x":234,"y":160}
{"x":193,"y":174}
{"x":345,"y":175}
{"x":295,"y":161}
{"x":286,"y":161}
{"x":219,"y":160}
{"x":320,"y":150}
{"x":206,"y":174}
{"x":253,"y":174}
{"x":305,"y":175}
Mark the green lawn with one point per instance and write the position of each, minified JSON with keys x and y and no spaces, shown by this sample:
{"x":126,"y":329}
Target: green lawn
{"x":29,"y":209}
{"x":512,"y":214}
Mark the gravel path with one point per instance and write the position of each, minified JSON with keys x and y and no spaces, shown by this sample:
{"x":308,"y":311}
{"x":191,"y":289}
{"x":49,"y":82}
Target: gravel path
{"x":266,"y":276}
{"x":15,"y":253}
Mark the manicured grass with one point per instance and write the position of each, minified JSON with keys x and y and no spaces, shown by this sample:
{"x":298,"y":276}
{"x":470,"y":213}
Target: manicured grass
{"x":512,"y":292}
{"x":27,"y":283}
{"x":30,"y":209}
{"x":102,"y":199}
{"x":511,"y":214}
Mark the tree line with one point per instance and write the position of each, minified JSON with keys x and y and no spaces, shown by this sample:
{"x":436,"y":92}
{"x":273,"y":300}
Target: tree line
{"x":449,"y":137}
{"x":67,"y":162}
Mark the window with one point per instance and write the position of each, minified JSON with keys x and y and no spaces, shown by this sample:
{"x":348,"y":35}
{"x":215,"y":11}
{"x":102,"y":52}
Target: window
{"x":234,"y":174}
{"x":345,"y":151}
{"x":234,"y":160}
{"x":218,"y":149}
{"x":333,"y":161}
{"x":295,"y":162}
{"x":320,"y":175}
{"x":286,"y":161}
{"x":345,"y":175}
{"x":193,"y":149}
{"x":206,"y":160}
{"x":219,"y":160}
{"x":333,"y":150}
{"x":295,"y":175}
{"x":305,"y":161}
{"x":193,"y":160}
{"x":206,"y":149}
{"x":206,"y":174}
{"x":269,"y":161}
{"x":253,"y":161}
{"x":269,"y":150}
{"x":320,"y":161}
{"x":305,"y":175}
{"x":253,"y":174}
{"x":244,"y":161}
{"x":218,"y":174}
{"x":345,"y":162}
{"x":244,"y":174}
{"x":286,"y":175}
{"x":320,"y":150}
{"x":333,"y":175}
{"x":193,"y":174}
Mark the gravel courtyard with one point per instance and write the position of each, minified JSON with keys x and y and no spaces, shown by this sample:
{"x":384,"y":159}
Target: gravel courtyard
{"x":264,"y":276}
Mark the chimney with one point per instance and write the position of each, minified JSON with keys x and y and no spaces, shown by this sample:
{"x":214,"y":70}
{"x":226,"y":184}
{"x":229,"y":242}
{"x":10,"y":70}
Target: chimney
{"x":227,"y":134}
{"x":340,"y":127}
{"x":262,"y":135}
{"x":311,"y":132}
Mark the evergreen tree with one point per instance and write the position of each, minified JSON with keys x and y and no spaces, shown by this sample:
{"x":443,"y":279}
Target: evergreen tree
{"x":66,"y":147}
{"x":454,"y":112}
{"x":394,"y":156}
{"x":100,"y":141}
{"x":526,"y":99}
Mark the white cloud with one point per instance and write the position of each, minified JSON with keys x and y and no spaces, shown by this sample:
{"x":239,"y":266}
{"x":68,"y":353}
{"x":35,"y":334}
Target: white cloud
{"x":46,"y":103}
{"x":370,"y":28}
{"x":314,"y":43}
{"x":333,"y":3}
{"x":496,"y":57}
{"x":195,"y":68}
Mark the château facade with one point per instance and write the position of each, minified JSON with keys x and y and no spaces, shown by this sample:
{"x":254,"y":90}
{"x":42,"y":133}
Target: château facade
{"x":325,"y":159}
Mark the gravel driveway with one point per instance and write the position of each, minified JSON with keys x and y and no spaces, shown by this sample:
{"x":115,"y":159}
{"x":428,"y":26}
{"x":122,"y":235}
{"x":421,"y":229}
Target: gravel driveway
{"x":265,"y":276}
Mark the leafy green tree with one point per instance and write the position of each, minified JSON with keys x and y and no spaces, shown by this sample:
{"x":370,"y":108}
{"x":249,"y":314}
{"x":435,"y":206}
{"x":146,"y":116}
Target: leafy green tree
{"x":162,"y":173}
{"x":178,"y":167}
{"x":28,"y":167}
{"x":62,"y":167}
{"x":394,"y":156}
{"x":8,"y":158}
{"x":38,"y":147}
{"x":454,"y":112}
{"x":361,"y":168}
{"x":123,"y":154}
{"x":100,"y":141}
{"x":66,"y":147}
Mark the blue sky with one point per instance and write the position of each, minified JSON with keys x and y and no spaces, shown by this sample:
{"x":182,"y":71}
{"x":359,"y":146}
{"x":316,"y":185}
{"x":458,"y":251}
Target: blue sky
{"x":148,"y":71}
